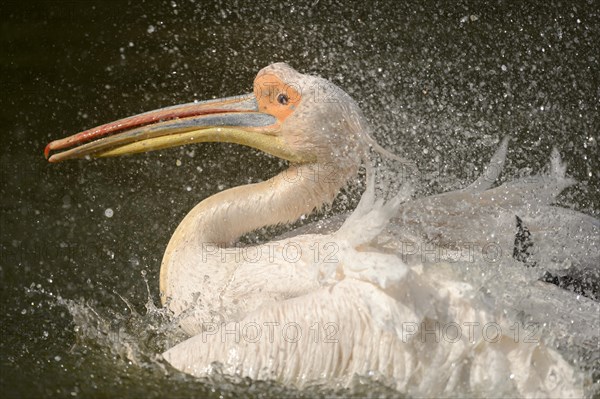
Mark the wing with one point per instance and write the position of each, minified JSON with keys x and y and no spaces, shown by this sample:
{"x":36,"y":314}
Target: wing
{"x":406,"y":338}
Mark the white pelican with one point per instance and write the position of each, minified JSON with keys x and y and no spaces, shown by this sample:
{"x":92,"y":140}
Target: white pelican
{"x":325,"y":308}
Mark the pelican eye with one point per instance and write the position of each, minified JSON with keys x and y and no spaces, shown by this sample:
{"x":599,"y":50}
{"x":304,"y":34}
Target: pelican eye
{"x":283,"y":99}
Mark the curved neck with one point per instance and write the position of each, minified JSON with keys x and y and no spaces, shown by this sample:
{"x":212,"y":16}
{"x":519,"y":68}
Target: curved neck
{"x":221,"y":219}
{"x":224,"y":217}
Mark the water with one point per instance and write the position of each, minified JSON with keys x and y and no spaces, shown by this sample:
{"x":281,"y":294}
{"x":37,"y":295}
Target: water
{"x":441,"y":83}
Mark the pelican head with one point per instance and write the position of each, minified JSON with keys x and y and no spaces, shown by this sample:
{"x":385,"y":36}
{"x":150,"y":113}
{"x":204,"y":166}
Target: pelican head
{"x":300,"y":118}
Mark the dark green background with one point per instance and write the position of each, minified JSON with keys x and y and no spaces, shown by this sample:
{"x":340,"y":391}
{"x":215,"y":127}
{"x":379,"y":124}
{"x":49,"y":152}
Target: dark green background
{"x":441,"y":82}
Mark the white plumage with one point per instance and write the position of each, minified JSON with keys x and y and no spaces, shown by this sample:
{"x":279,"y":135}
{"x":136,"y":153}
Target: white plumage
{"x":360,"y":300}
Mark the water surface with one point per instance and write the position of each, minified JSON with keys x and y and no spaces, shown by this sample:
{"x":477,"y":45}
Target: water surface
{"x":441,"y":83}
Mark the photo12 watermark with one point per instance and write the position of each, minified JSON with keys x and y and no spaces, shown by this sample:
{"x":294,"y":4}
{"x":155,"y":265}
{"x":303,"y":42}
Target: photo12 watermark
{"x":332,"y":332}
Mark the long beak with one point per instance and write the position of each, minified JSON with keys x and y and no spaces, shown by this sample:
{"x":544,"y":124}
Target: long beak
{"x":233,"y":120}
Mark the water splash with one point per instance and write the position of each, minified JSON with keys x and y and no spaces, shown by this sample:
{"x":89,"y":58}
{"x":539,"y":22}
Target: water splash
{"x":137,"y":339}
